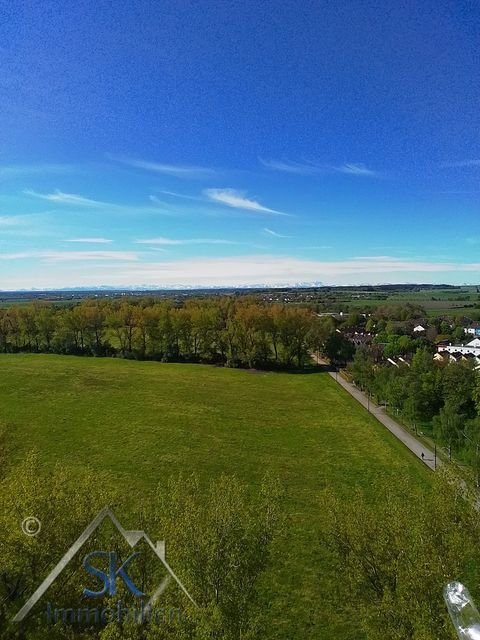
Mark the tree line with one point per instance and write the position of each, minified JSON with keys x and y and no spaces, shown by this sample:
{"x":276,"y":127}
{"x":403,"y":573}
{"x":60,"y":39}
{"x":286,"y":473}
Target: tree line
{"x":394,"y":555}
{"x":230,"y":331}
{"x":441,"y":399}
{"x":389,"y":558}
{"x":220,"y":542}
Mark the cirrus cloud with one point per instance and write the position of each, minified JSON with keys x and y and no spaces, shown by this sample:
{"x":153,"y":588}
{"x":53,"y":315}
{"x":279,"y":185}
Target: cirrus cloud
{"x":81,"y":202}
{"x":14,"y":171}
{"x":90,"y":240}
{"x":176,"y":170}
{"x":171,"y":241}
{"x":308,"y":168}
{"x":270,"y":232}
{"x":60,"y":197}
{"x":238,"y":200}
{"x":68,"y":256}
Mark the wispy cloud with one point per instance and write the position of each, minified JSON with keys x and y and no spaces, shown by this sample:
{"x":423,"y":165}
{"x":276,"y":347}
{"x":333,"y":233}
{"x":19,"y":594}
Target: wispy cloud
{"x":18,"y":170}
{"x":238,"y":200}
{"x":355,"y":169}
{"x":174,"y":194}
{"x":75,"y":200}
{"x":377,"y":259}
{"x":171,"y":241}
{"x":301,"y":168}
{"x":226,"y":197}
{"x":308,"y":168}
{"x":28,"y":225}
{"x":157,"y":201}
{"x":90,"y":240}
{"x":176,"y":170}
{"x":461,"y":163}
{"x":12,"y":221}
{"x":68,"y":256}
{"x":274,"y":233}
{"x":60,"y":197}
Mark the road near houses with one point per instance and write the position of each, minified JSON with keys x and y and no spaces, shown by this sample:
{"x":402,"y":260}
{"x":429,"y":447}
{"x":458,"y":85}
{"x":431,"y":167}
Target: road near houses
{"x":399,"y":431}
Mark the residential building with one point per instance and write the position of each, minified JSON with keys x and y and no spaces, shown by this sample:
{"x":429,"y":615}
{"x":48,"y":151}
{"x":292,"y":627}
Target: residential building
{"x":473,"y":330}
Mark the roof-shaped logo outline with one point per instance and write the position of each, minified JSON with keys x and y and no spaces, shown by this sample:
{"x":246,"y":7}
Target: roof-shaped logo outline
{"x":132,"y":538}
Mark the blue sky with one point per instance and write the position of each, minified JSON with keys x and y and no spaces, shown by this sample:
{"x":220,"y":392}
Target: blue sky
{"x":216,"y":143}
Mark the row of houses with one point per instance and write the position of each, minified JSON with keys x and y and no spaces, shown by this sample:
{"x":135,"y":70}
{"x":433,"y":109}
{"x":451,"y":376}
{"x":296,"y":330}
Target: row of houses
{"x":457,"y":357}
{"x":457,"y":353}
{"x":442,"y":358}
{"x":472,"y":347}
{"x":470,"y":330}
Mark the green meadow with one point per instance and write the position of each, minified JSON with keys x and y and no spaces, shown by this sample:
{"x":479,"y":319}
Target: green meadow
{"x":140,"y":423}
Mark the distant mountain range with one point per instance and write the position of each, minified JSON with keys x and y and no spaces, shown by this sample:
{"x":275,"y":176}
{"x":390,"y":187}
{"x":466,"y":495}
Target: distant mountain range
{"x":184,"y":287}
{"x":105,"y":289}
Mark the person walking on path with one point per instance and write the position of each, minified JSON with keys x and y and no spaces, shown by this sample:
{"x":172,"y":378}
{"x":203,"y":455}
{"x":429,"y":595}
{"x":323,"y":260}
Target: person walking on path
{"x":397,"y":429}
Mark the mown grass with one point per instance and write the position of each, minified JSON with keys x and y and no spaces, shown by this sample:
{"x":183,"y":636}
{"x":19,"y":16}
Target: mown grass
{"x":142,"y":422}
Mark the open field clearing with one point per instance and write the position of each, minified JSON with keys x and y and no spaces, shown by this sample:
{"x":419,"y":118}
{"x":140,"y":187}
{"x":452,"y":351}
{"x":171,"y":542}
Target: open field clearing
{"x":142,"y":422}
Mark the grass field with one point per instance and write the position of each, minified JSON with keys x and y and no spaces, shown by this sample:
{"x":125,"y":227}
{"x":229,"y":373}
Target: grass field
{"x":143,"y":422}
{"x":438,"y":302}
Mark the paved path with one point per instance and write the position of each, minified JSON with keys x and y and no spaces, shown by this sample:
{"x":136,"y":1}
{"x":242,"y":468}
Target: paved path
{"x":380,"y":414}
